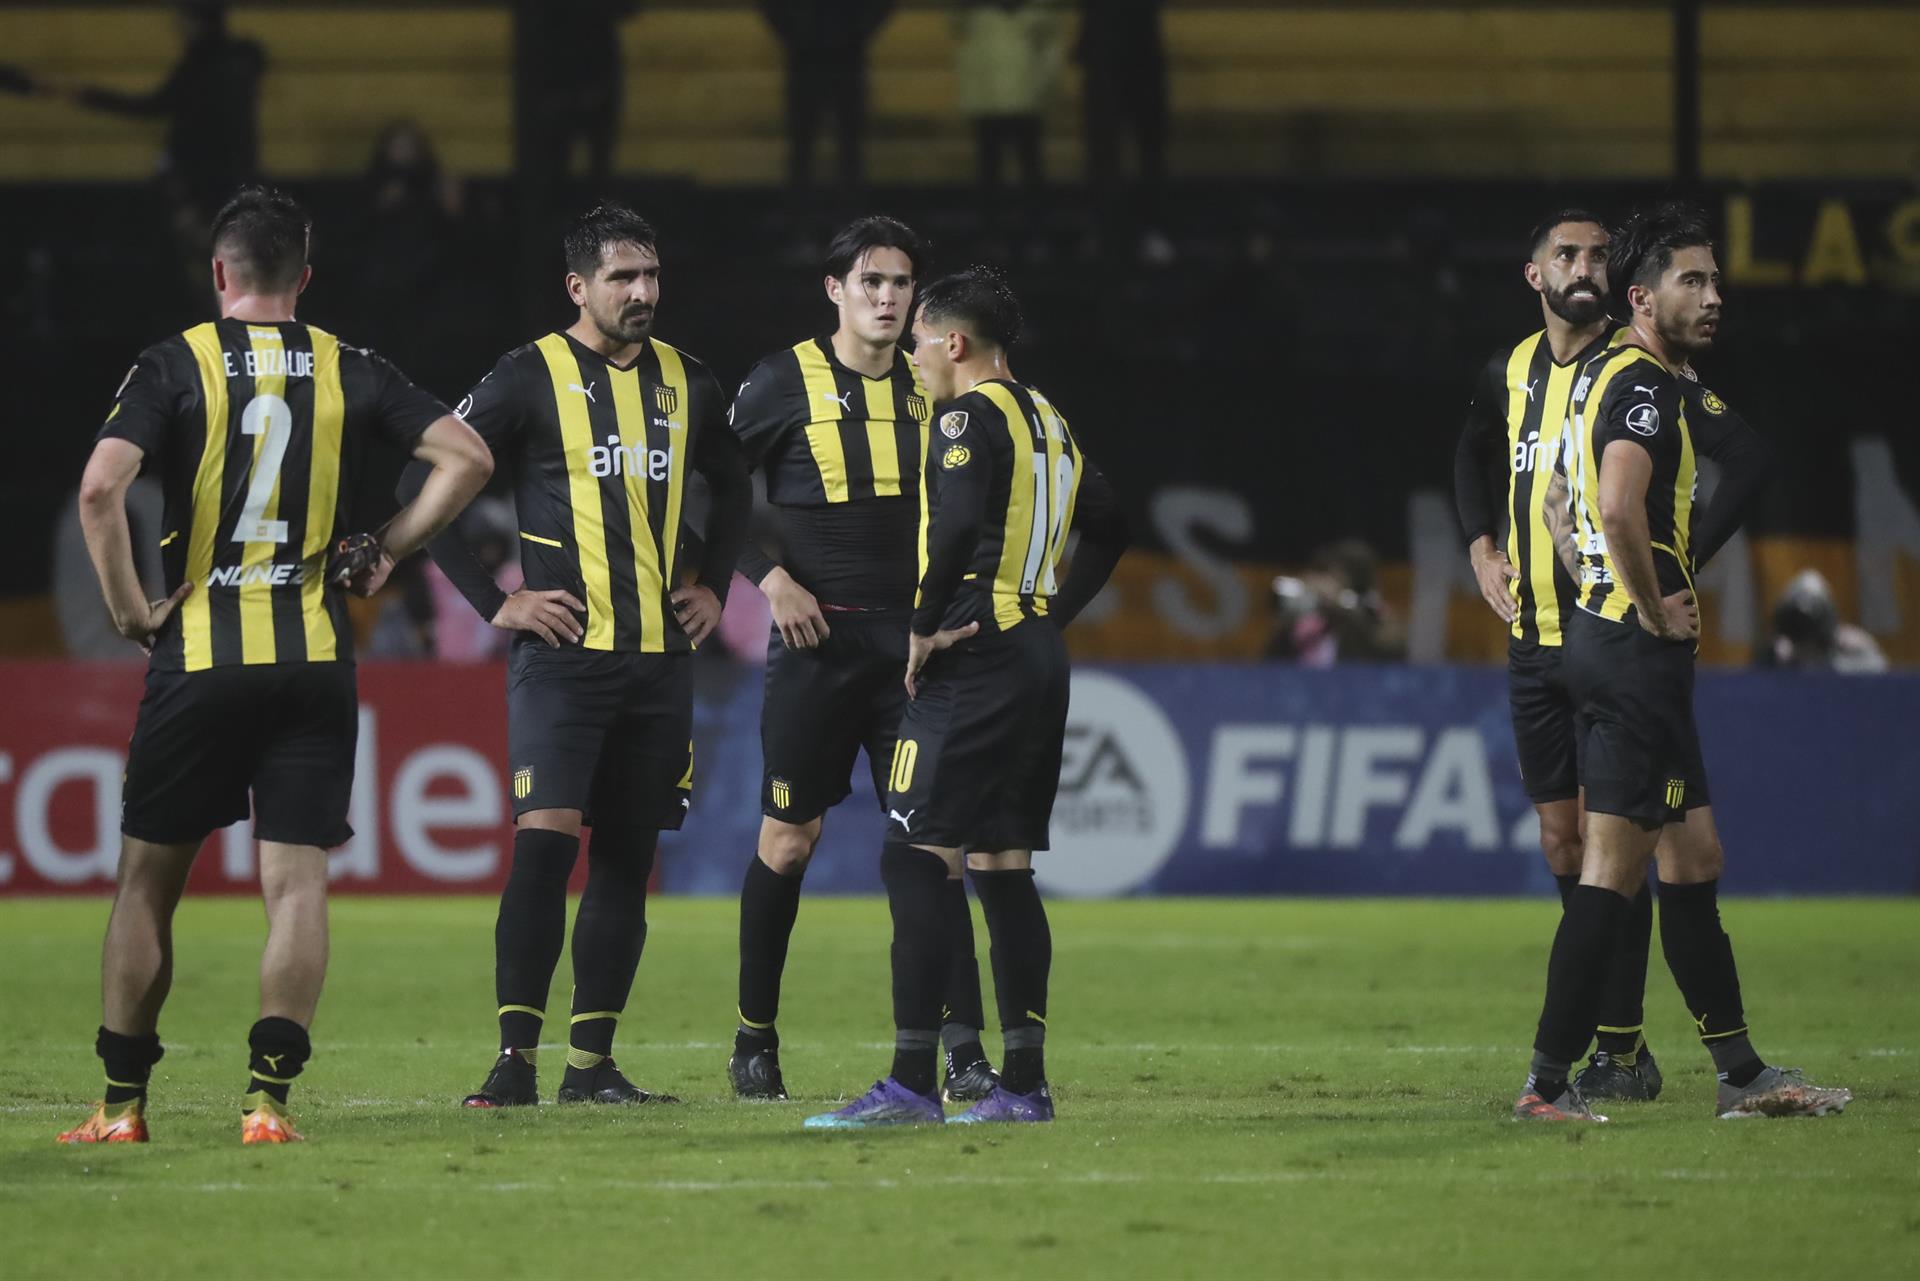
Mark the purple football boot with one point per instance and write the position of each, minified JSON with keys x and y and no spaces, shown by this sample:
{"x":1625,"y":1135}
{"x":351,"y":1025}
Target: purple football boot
{"x":1004,"y":1105}
{"x":887,"y":1103}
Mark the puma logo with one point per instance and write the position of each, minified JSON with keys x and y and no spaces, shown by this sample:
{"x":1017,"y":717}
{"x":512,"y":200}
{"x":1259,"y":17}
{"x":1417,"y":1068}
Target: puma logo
{"x":905,"y":820}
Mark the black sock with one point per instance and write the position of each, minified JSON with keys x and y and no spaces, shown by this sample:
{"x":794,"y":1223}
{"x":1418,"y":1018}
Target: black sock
{"x":609,"y":933}
{"x":963,"y":1014}
{"x":769,"y":903}
{"x":1700,"y":955}
{"x":277,"y":1050}
{"x":530,"y":931}
{"x":1577,"y":972}
{"x":916,"y":881}
{"x":128,"y":1061}
{"x":1622,"y":1006}
{"x":1021,"y":949}
{"x":1565,"y":885}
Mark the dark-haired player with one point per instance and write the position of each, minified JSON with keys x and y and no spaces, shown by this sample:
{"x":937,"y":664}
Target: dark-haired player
{"x":257,"y":426}
{"x":598,"y":425}
{"x":977,"y":762}
{"x":1630,"y":641}
{"x":1515,"y":424}
{"x":838,"y":425}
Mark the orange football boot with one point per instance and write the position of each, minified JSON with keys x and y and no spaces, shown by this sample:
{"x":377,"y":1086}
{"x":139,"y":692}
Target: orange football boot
{"x":264,"y":1122}
{"x":122,"y":1123}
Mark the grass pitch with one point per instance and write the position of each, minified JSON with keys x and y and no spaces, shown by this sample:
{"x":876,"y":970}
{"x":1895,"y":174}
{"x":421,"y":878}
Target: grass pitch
{"x":1245,"y":1089}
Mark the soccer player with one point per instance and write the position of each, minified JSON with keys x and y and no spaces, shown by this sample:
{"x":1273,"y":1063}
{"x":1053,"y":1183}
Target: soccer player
{"x":977,"y":763}
{"x":257,"y":426}
{"x":598,"y":425}
{"x":1515,"y":423}
{"x":839,"y":426}
{"x":1629,"y":663}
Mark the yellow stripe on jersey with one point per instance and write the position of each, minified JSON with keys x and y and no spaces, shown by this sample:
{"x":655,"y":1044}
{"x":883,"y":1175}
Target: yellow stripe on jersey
{"x":196,"y":611}
{"x":1024,"y":536}
{"x":673,"y":375}
{"x":920,"y":479}
{"x":583,"y":491}
{"x":261,"y":420}
{"x":885,"y":448}
{"x":1057,"y":436}
{"x":631,"y":413}
{"x":323,"y":490}
{"x":1519,"y":395}
{"x":823,"y":438}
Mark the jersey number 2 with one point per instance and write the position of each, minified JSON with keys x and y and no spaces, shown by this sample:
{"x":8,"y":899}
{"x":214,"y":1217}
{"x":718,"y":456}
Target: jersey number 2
{"x":267,"y":416}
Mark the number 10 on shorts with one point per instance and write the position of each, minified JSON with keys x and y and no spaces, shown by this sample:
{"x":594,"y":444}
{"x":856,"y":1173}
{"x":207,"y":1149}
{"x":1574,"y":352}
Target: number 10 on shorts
{"x":905,"y":753}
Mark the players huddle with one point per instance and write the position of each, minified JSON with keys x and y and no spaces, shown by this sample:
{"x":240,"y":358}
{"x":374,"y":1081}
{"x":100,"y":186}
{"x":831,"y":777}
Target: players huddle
{"x":917,"y":581}
{"x":924,"y":504}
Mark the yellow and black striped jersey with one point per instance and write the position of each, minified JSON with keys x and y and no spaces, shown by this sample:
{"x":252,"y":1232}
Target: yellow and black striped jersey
{"x":257,"y":432}
{"x":1006,"y":481}
{"x":1625,"y":394}
{"x":842,"y":454}
{"x":1521,"y":399}
{"x":599,"y":455}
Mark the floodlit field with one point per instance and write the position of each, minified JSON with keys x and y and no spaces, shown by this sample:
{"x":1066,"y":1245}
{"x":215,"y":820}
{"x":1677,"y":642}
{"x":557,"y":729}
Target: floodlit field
{"x":1245,"y":1089}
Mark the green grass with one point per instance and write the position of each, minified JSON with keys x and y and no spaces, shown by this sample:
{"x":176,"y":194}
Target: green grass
{"x":1245,"y":1088}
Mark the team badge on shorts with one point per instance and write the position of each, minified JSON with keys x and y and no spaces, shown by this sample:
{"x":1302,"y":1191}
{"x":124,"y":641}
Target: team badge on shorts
{"x":522,"y":784}
{"x":1676,"y":793}
{"x":782,"y":793}
{"x":958,"y":456}
{"x":951,"y":425}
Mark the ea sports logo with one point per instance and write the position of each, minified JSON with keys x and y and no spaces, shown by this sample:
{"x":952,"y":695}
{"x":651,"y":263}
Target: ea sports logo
{"x":1123,"y":792}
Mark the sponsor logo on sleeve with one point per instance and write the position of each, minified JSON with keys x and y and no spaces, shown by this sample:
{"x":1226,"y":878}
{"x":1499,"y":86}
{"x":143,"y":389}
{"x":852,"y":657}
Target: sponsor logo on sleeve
{"x":951,"y":425}
{"x":957,"y":456}
{"x":1644,"y":419}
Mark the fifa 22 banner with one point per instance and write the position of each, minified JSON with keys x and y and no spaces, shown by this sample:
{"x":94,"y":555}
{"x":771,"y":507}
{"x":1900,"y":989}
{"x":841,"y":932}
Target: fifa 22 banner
{"x":1215,"y":779}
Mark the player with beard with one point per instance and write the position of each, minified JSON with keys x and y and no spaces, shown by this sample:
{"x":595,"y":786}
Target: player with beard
{"x":1512,"y":441}
{"x":1629,"y":662}
{"x":598,"y":426}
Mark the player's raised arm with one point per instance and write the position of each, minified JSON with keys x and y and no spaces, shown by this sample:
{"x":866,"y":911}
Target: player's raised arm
{"x":1104,"y":536}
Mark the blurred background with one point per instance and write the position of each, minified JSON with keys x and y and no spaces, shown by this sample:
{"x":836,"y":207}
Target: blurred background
{"x":1263,"y":249}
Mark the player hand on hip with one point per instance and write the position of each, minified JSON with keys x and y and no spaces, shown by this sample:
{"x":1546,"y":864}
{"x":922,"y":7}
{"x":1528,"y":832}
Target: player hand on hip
{"x":698,"y":609}
{"x":1493,"y":571}
{"x":795,"y":611}
{"x":921,"y":648}
{"x":549,"y":615}
{"x":1682,"y":621}
{"x":142,"y":625}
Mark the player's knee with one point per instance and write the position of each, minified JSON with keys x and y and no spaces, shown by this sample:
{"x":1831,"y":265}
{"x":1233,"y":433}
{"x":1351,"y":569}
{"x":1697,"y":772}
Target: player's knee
{"x":788,"y":847}
{"x":1563,"y":849}
{"x":292,"y":873}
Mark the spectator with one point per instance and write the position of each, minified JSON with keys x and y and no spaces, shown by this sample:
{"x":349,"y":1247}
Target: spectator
{"x":826,"y":52}
{"x":1333,"y":613}
{"x":210,"y":101}
{"x":1124,"y":61}
{"x":1809,"y":636}
{"x":1007,"y":65}
{"x":575,"y":83}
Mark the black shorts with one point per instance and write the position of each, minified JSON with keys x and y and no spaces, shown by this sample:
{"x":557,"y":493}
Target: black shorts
{"x":1640,"y":749}
{"x":822,"y":706}
{"x":1543,"y":729}
{"x":608,"y":734}
{"x":978,"y":761}
{"x":284,"y":732}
